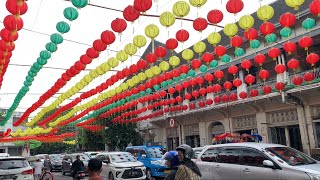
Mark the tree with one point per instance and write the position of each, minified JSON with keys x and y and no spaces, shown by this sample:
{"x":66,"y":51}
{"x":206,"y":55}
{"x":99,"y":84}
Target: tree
{"x":91,"y":141}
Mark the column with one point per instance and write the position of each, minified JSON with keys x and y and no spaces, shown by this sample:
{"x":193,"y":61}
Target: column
{"x":262,"y":126}
{"x":303,"y":130}
{"x":203,"y":133}
{"x":286,"y":131}
{"x":310,"y":129}
{"x":227,"y":124}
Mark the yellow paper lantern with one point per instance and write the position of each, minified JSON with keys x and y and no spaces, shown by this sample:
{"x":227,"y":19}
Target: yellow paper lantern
{"x":93,"y":74}
{"x":139,"y":41}
{"x":230,"y":30}
{"x":130,"y":83}
{"x":164,"y":66}
{"x":174,"y":61}
{"x":124,"y":86}
{"x":135,"y":79}
{"x":99,"y":70}
{"x":142,"y":76}
{"x":105,"y":67}
{"x":113,"y":62}
{"x":118,"y":90}
{"x":156,"y":70}
{"x":181,"y":9}
{"x":87,"y":78}
{"x":151,"y":31}
{"x":113,"y":92}
{"x":187,"y":54}
{"x":265,"y":13}
{"x":199,"y":47}
{"x":214,"y":38}
{"x":294,"y":3}
{"x":246,"y":22}
{"x":167,"y":19}
{"x":130,"y":49}
{"x":122,"y":56}
{"x":149,"y":73}
{"x":197,"y":3}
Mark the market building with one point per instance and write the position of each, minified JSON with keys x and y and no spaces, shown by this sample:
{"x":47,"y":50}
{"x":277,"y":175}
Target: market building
{"x":290,"y":117}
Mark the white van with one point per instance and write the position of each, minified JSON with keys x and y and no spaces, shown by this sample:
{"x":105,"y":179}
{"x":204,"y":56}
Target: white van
{"x":256,"y":161}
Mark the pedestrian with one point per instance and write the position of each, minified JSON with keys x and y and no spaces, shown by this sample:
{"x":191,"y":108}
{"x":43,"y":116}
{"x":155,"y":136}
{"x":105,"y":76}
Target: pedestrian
{"x":187,"y":169}
{"x":38,"y":165}
{"x":94,"y":169}
{"x":77,"y":166}
{"x":172,"y":161}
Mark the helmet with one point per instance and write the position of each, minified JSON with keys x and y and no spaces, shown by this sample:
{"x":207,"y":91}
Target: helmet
{"x":186,"y":149}
{"x":171,"y":156}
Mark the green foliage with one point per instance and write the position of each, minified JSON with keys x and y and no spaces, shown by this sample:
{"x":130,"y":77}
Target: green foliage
{"x":91,"y":141}
{"x":53,"y":148}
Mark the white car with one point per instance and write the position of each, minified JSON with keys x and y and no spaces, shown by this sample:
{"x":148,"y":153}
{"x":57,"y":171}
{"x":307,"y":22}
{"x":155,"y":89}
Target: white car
{"x":92,"y":154}
{"x":121,"y":165}
{"x":17,"y":168}
{"x":256,"y":161}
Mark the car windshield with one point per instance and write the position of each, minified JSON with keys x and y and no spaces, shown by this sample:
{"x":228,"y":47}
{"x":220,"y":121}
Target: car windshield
{"x":56,"y":157}
{"x":155,"y":152}
{"x":6,"y":164}
{"x":83,"y":157}
{"x":196,"y":153}
{"x":291,"y":156}
{"x":122,"y":157}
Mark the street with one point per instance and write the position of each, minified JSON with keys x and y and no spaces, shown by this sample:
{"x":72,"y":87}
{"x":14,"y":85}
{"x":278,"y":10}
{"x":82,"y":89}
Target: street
{"x":59,"y":176}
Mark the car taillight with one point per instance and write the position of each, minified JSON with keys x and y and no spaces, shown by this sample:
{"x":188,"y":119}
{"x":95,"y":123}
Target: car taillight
{"x":30,"y":171}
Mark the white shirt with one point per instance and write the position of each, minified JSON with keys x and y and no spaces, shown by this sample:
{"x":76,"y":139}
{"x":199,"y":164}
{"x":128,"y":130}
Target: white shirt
{"x":38,"y":168}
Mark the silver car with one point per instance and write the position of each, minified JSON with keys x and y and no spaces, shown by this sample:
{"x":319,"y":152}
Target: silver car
{"x":256,"y":161}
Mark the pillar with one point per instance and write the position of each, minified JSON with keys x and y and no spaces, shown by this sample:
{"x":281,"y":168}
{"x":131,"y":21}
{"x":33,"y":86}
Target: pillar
{"x":286,"y":131}
{"x":303,"y":130}
{"x":203,"y":133}
{"x":310,"y":129}
{"x":261,"y":118}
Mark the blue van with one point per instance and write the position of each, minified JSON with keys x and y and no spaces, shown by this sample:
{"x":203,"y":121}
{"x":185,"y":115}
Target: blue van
{"x":150,"y":156}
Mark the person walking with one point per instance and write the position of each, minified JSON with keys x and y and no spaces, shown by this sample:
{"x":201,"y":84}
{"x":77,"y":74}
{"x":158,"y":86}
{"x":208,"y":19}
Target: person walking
{"x":38,"y":165}
{"x":94,"y":169}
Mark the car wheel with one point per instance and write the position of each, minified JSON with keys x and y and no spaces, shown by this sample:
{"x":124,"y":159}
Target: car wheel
{"x":111,"y":176}
{"x":148,"y":174}
{"x":63,"y":173}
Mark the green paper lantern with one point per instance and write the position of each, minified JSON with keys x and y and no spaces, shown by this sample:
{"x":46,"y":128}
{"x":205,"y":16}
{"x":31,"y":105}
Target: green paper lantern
{"x":35,"y":71}
{"x":183,"y":76}
{"x":226,"y":58}
{"x":142,"y":93}
{"x":176,"y":79}
{"x":308,"y":23}
{"x":29,"y":78}
{"x":70,"y":13}
{"x":31,"y":74}
{"x":214,"y":63}
{"x":62,"y":27}
{"x":285,"y":32}
{"x":156,"y":87}
{"x":191,"y":73}
{"x":45,"y":54}
{"x":27,"y":83}
{"x":255,"y":44}
{"x":36,"y":66}
{"x":127,"y":99}
{"x":41,"y":61}
{"x":79,"y":3}
{"x":137,"y":96}
{"x":56,"y":38}
{"x":270,"y":38}
{"x":203,"y":68}
{"x":51,"y":47}
{"x":238,"y":52}
{"x":25,"y":89}
{"x":169,"y":81}
{"x":148,"y":91}
{"x":164,"y":84}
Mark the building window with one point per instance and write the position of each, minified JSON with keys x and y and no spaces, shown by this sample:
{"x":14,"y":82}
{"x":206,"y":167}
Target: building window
{"x":317,"y":132}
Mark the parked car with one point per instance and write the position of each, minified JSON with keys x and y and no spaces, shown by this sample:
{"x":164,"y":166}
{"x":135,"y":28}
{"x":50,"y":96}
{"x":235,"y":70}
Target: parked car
{"x":69,"y":159}
{"x":121,"y":165}
{"x":42,"y":157}
{"x":196,"y":152}
{"x":91,"y":154}
{"x":150,"y":156}
{"x":55,"y":162}
{"x":256,"y":161}
{"x":15,"y":167}
{"x":4,"y":155}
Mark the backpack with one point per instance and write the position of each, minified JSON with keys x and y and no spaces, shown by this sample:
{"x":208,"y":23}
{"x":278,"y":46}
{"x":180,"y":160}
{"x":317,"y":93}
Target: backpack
{"x":185,"y":173}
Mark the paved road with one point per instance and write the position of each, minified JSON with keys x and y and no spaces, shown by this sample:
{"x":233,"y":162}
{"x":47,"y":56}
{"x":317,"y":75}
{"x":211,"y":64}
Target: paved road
{"x":59,"y":176}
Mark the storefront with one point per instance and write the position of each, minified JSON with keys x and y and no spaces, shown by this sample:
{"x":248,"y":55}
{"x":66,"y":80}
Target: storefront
{"x":191,"y":132}
{"x":245,"y":125}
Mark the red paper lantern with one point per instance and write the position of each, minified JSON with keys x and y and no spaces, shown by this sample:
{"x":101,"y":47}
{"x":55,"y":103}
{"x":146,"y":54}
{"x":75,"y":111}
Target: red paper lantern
{"x":233,"y":69}
{"x":234,"y":6}
{"x":236,"y":41}
{"x":182,"y":35}
{"x":237,"y":82}
{"x":227,"y":85}
{"x":151,"y":58}
{"x":130,"y":13}
{"x":79,"y":66}
{"x":220,"y":51}
{"x":160,"y":52}
{"x":251,"y":34}
{"x":297,"y":80}
{"x":266,"y":89}
{"x":185,"y":84}
{"x":200,"y":24}
{"x":274,"y":53}
{"x":192,"y":106}
{"x":264,"y":74}
{"x":9,"y":36}
{"x":142,"y":5}
{"x":260,"y":59}
{"x":16,"y":7}
{"x":168,"y":75}
{"x":108,"y":37}
{"x":99,"y":45}
{"x":254,"y":92}
{"x":13,"y":23}
{"x":280,"y":68}
{"x":118,"y":25}
{"x":142,"y":64}
{"x":225,"y":98}
{"x":171,"y":90}
{"x":207,"y":57}
{"x":92,"y":53}
{"x":314,"y":7}
{"x":209,"y":77}
{"x":179,"y":87}
{"x":184,"y":107}
{"x":289,"y":47}
{"x":210,"y":89}
{"x":196,"y":63}
{"x":217,"y":88}
{"x":246,"y":64}
{"x":233,"y":97}
{"x":201,"y":104}
{"x":171,"y":44}
{"x":305,"y":42}
{"x":209,"y":102}
{"x":175,"y":73}
{"x":133,"y":69}
{"x":203,"y":91}
{"x":188,"y":96}
{"x":215,"y":16}
{"x":250,"y":79}
{"x":184,"y":68}
{"x":6,"y":46}
{"x":243,"y":95}
{"x":280,"y":86}
{"x":293,"y":64}
{"x":217,"y":99}
{"x":163,"y":93}
{"x":179,"y":99}
{"x":267,"y":28}
{"x":312,"y":59}
{"x":195,"y":94}
{"x":287,"y":20}
{"x":126,"y":72}
{"x":219,"y":74}
{"x":200,"y":80}
{"x":308,"y":76}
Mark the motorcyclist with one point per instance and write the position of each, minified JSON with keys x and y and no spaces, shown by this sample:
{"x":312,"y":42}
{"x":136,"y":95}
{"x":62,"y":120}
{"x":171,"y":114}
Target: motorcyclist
{"x":77,"y":166}
{"x":172,"y":161}
{"x":185,"y":153}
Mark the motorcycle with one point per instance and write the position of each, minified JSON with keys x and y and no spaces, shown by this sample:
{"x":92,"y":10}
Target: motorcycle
{"x":80,"y":175}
